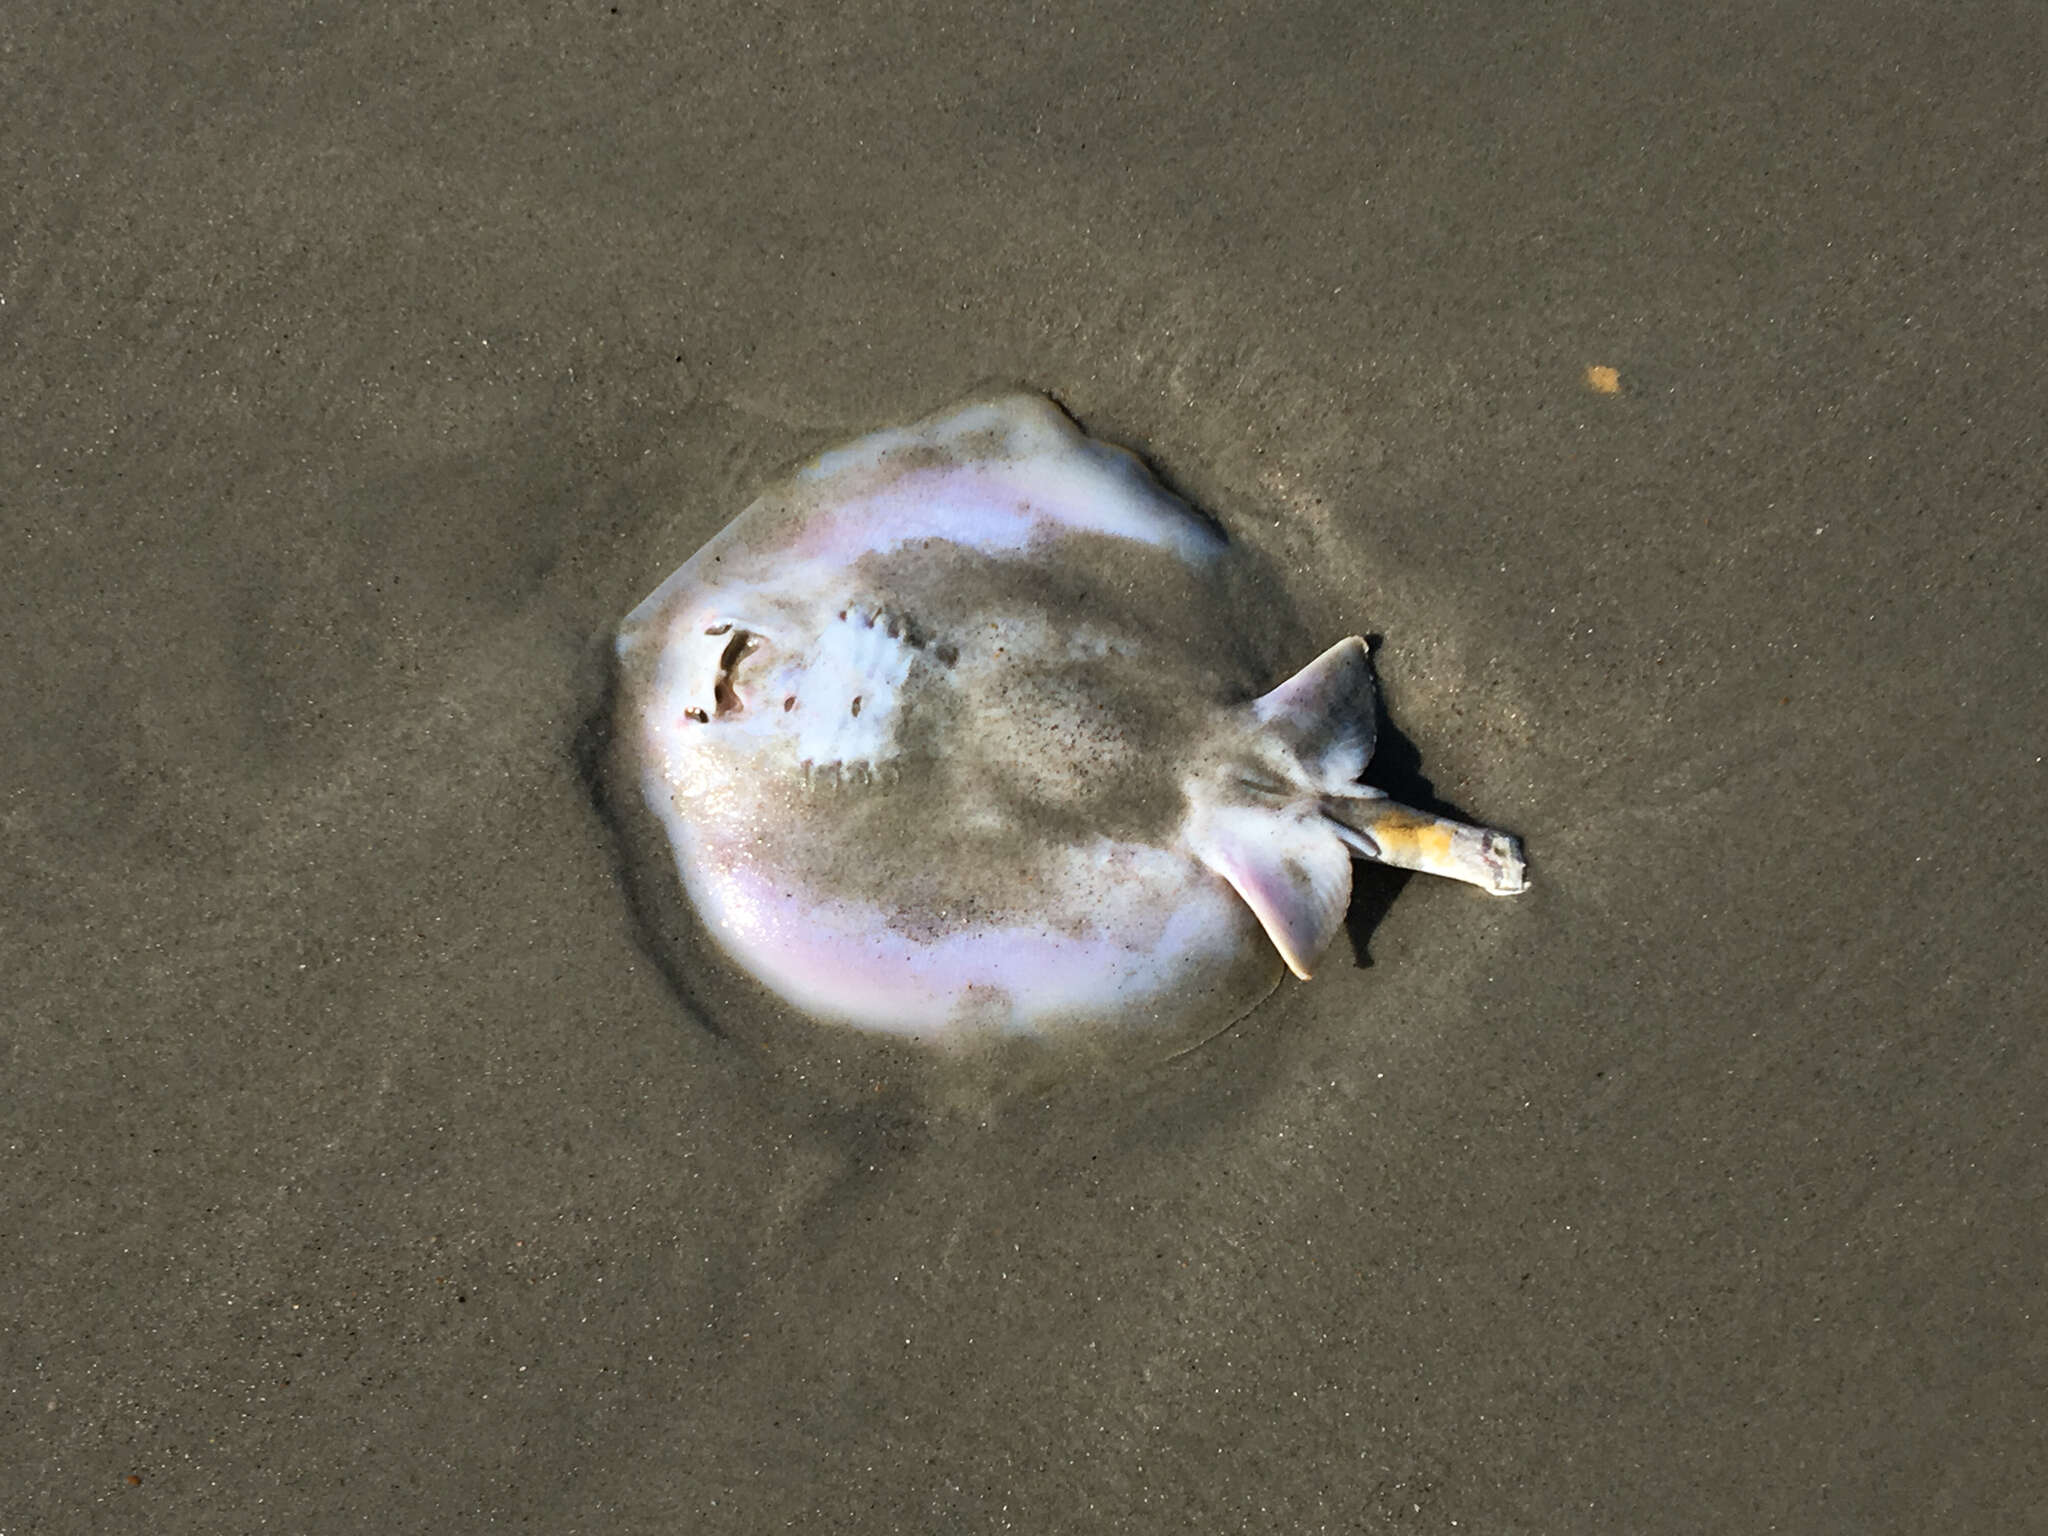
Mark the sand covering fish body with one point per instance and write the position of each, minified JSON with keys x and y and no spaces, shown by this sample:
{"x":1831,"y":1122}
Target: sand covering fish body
{"x":958,"y":731}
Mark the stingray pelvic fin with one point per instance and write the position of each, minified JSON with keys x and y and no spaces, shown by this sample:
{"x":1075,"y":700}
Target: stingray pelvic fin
{"x":1290,"y":866}
{"x":1324,"y":716}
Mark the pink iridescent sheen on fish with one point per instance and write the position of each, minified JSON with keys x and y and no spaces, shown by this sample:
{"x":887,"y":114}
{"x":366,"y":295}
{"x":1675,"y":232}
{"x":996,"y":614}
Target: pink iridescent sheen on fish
{"x":955,"y":733}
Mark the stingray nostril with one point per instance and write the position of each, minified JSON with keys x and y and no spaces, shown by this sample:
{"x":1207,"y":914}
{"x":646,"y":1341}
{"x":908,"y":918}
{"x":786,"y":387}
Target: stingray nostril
{"x":724,"y":696}
{"x":856,"y":704}
{"x":789,"y":703}
{"x":697,"y":715}
{"x":719,"y":628}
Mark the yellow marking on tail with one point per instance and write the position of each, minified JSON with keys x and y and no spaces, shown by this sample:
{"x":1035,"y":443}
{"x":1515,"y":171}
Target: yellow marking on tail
{"x":1410,"y":836}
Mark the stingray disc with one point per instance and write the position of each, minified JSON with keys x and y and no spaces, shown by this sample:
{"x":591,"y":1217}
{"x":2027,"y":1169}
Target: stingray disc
{"x":957,"y":731}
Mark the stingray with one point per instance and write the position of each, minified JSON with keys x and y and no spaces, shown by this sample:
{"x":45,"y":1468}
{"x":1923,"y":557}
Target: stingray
{"x":959,"y":732}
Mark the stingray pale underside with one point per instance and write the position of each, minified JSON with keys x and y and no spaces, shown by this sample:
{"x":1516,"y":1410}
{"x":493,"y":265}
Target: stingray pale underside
{"x":957,"y":730}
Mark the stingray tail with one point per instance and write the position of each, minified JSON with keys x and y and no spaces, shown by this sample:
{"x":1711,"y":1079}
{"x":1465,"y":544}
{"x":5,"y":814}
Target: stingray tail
{"x":1284,"y":832}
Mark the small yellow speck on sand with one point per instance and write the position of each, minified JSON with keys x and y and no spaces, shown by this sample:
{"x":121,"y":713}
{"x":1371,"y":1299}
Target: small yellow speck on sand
{"x":1603,"y":381}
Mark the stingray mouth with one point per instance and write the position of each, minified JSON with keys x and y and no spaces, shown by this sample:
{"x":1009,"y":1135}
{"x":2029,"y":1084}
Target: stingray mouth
{"x":733,"y":645}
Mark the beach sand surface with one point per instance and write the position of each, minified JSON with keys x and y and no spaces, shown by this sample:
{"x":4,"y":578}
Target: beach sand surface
{"x":1663,"y":388}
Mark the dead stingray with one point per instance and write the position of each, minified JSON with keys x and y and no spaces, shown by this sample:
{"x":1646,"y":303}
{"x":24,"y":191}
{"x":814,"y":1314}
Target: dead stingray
{"x":957,"y":733}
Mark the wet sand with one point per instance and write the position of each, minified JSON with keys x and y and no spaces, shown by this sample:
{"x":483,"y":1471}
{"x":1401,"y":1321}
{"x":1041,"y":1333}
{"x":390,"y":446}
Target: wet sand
{"x":364,"y":1170}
